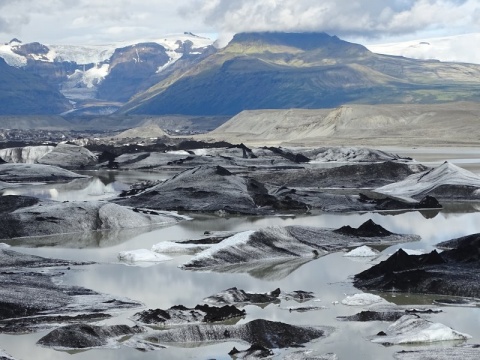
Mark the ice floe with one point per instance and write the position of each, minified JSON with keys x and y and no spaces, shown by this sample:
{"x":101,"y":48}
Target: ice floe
{"x":363,"y":299}
{"x":142,"y":255}
{"x":411,"y":329}
{"x":168,"y":247}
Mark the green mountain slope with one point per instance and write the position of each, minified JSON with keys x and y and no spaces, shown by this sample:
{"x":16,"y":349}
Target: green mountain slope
{"x":23,"y":93}
{"x":303,"y":70}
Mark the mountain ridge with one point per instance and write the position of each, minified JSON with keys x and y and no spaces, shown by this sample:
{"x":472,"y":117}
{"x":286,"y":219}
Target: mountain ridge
{"x":266,"y":70}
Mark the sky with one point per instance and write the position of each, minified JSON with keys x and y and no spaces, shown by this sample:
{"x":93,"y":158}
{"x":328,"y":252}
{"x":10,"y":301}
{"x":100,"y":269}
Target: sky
{"x":109,"y":21}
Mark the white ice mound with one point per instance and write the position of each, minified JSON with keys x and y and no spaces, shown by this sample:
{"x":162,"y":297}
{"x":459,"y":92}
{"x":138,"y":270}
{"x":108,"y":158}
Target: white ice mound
{"x":142,"y":255}
{"x":411,"y":329}
{"x":362,"y":251}
{"x":168,"y":247}
{"x":363,"y":300}
{"x":423,"y":183}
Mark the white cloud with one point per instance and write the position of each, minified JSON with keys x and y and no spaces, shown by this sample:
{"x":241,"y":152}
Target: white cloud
{"x":56,"y":21}
{"x":370,"y":18}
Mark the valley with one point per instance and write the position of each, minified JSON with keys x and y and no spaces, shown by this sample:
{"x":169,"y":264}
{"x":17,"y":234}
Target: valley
{"x":286,"y":196}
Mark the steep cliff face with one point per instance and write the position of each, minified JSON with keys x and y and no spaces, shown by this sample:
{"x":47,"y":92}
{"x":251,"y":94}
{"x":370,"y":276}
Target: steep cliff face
{"x":129,"y":67}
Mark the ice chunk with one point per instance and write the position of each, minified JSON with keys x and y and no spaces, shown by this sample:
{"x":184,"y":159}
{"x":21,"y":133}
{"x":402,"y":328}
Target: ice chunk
{"x":363,"y":300}
{"x":362,"y":251}
{"x":142,"y":255}
{"x":411,"y":329}
{"x":167,"y":247}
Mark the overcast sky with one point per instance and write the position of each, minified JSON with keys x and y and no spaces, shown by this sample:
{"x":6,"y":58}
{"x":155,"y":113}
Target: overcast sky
{"x":104,"y":21}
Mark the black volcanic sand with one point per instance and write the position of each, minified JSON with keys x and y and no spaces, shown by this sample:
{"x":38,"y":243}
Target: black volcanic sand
{"x":451,"y":272}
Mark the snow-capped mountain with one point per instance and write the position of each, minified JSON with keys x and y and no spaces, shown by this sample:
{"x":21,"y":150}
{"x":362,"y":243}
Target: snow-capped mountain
{"x":459,"y":48}
{"x":111,"y":72}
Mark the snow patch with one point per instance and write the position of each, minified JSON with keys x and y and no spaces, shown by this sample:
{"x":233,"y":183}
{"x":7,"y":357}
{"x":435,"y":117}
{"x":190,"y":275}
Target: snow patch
{"x":452,"y":48}
{"x":10,"y":57}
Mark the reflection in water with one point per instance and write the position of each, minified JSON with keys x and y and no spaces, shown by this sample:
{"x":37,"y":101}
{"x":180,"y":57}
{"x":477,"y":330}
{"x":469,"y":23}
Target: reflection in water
{"x":76,"y":190}
{"x":91,"y":239}
{"x":266,"y":270}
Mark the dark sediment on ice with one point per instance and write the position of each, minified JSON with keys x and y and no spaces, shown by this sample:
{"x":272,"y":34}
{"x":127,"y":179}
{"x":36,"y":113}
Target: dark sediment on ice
{"x":269,"y":334}
{"x":179,"y":315}
{"x":452,"y":272}
{"x":241,"y":297}
{"x":347,"y":176}
{"x":84,"y":336}
{"x":277,"y":242}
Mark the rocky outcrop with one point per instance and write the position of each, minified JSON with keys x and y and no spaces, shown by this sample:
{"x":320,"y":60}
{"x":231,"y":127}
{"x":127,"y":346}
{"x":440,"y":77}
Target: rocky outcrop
{"x":451,"y":272}
{"x":288,"y":242}
{"x":69,"y":157}
{"x":84,"y":336}
{"x":22,"y":216}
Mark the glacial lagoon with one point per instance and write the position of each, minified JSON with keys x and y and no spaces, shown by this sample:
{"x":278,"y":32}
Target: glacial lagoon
{"x":329,"y":277}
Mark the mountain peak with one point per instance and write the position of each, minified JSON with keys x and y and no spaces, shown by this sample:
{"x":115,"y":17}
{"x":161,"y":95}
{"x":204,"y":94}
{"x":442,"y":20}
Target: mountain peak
{"x":14,"y":41}
{"x":304,"y":41}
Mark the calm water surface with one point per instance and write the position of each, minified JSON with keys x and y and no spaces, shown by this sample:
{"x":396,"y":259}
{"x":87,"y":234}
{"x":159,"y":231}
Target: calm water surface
{"x":164,"y":285}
